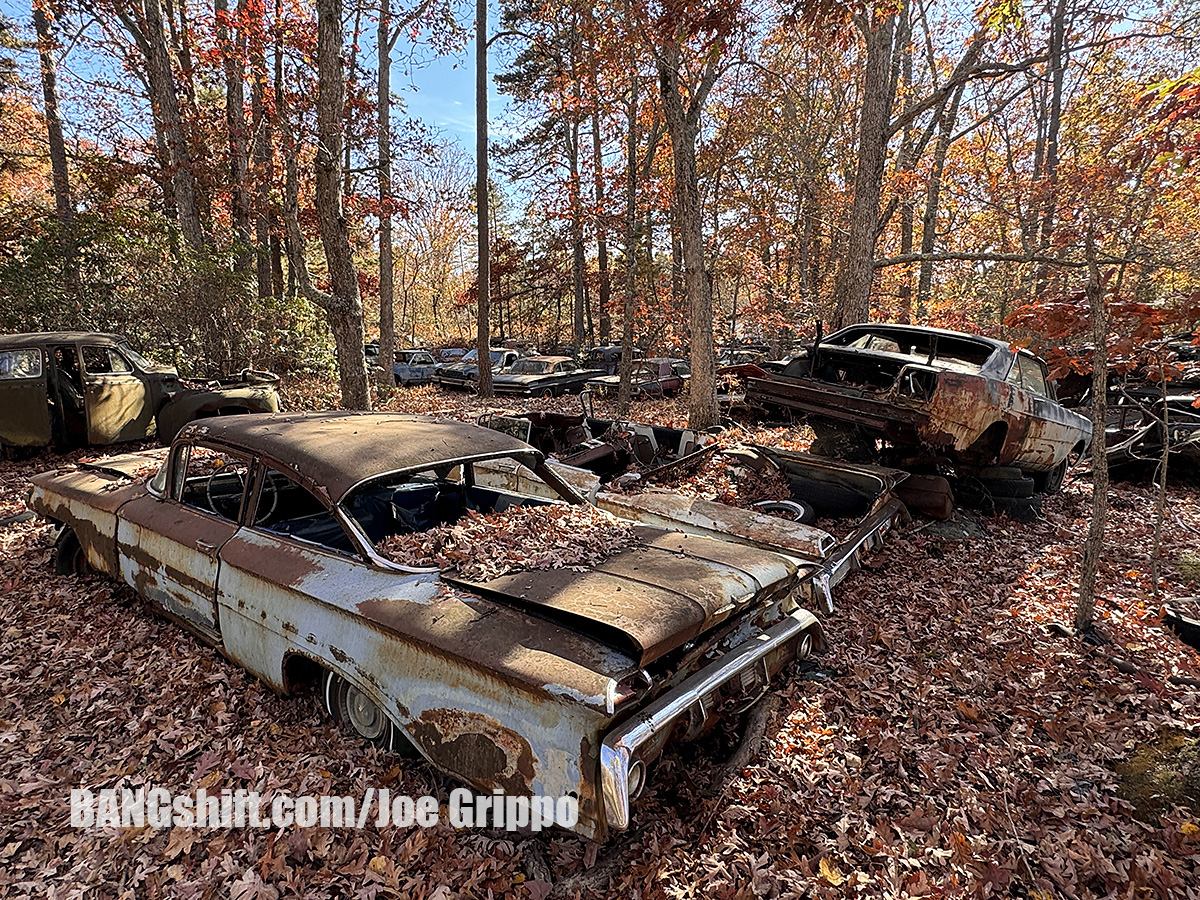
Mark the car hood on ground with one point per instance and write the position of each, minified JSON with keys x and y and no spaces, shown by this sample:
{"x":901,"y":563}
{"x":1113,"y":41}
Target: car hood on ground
{"x":653,"y":597}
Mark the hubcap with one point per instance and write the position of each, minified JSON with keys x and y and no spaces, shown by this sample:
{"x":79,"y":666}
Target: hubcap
{"x":364,"y":715}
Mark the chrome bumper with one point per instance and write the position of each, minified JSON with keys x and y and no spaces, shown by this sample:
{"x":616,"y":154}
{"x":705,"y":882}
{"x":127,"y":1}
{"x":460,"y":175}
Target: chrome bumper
{"x":618,"y":752}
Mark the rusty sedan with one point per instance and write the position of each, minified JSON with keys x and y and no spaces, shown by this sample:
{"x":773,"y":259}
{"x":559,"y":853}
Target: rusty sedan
{"x":263,"y":534}
{"x":987,"y":408}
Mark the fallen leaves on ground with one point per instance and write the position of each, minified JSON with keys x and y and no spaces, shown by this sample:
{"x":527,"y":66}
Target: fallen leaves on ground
{"x":483,"y":546}
{"x":949,"y":745}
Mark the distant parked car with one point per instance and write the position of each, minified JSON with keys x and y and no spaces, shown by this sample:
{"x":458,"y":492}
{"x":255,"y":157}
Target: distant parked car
{"x":543,"y":376}
{"x":73,"y":389}
{"x":660,"y":377}
{"x":464,"y":375}
{"x":607,"y":358}
{"x":414,"y":367}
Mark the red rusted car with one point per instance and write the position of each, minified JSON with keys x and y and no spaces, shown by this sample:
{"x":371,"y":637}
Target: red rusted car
{"x":987,"y":408}
{"x":263,"y":535}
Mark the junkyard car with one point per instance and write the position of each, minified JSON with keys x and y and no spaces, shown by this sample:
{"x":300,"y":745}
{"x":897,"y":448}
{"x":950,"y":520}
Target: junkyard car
{"x":970,"y":399}
{"x":414,"y":367}
{"x":78,"y":388}
{"x":465,"y":374}
{"x":543,"y":376}
{"x":660,"y":377}
{"x":261,"y":534}
{"x":607,"y":358}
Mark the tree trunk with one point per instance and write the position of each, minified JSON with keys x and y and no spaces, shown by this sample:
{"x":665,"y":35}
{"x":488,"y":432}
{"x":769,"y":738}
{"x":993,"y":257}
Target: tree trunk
{"x":571,"y":142}
{"x":166,"y":107}
{"x":387,"y":319}
{"x":260,"y":124}
{"x":63,"y":204}
{"x":1057,"y":65}
{"x":932,"y":199}
{"x":233,"y":51}
{"x":601,"y":232}
{"x":342,"y":305}
{"x":483,"y":338}
{"x":625,"y":388}
{"x":854,"y":285}
{"x":1093,"y":548}
{"x":683,"y":125}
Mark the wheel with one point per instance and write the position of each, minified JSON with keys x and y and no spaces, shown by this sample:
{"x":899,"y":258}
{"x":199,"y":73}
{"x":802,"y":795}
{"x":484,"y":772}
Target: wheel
{"x":356,"y":712}
{"x":69,"y":558}
{"x":1051,"y":482}
{"x":547,"y":393}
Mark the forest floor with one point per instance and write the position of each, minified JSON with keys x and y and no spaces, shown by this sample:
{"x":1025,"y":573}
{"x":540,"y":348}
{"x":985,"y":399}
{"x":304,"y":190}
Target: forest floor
{"x":951,"y":742}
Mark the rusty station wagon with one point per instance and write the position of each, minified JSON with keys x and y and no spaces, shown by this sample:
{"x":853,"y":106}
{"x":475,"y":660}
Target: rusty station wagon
{"x":261,"y":534}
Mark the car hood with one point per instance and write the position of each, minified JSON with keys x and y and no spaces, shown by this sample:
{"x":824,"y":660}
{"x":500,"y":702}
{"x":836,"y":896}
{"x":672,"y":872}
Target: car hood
{"x":652,"y":597}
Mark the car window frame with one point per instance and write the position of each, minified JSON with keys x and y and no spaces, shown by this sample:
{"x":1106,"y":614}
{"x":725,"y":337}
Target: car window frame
{"x":357,"y":538}
{"x":176,"y":476}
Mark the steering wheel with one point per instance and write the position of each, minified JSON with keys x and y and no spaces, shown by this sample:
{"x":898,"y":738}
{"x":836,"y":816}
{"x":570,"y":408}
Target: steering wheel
{"x":227,"y":506}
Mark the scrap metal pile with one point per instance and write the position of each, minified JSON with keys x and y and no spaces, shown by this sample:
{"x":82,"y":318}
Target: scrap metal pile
{"x":483,"y":546}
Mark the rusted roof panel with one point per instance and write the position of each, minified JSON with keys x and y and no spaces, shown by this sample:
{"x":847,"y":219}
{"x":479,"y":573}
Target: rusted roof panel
{"x":337,"y":450}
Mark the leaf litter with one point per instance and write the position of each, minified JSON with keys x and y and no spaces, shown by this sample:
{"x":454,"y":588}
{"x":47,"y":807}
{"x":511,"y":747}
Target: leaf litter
{"x":949,"y":745}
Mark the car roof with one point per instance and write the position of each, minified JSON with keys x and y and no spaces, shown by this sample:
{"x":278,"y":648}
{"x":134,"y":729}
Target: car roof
{"x":885,"y":327}
{"x":548,"y":358}
{"x":332,"y":452}
{"x":55,"y":337}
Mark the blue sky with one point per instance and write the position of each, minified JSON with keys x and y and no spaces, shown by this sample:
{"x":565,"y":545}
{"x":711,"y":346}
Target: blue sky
{"x":440,"y":92}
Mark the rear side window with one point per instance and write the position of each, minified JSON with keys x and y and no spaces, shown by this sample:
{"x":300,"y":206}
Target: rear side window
{"x":1032,"y":376}
{"x":20,"y":363}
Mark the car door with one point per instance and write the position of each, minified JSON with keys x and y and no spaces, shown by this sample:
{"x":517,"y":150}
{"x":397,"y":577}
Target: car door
{"x":169,"y":546}
{"x":24,"y":406}
{"x":115,"y":397}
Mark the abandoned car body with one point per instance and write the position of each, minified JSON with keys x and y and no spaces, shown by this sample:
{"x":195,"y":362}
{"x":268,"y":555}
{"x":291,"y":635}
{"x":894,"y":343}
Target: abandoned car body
{"x":260,"y":534}
{"x":542,"y":376}
{"x":464,"y":374}
{"x":660,"y":377}
{"x":970,"y":399}
{"x":79,"y":388}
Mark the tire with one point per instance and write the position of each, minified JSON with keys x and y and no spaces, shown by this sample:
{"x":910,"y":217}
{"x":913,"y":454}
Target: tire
{"x":547,"y":393}
{"x":793,"y":510}
{"x":1015,"y":488}
{"x":355,"y":712}
{"x":1052,"y":482}
{"x":69,"y":558}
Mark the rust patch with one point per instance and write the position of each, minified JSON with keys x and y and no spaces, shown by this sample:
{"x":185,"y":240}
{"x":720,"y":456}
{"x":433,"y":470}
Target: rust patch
{"x":339,"y":655}
{"x":290,"y":629}
{"x":477,"y":748}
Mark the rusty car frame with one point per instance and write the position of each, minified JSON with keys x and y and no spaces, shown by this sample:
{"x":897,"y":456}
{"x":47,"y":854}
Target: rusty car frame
{"x":260,"y":535}
{"x":930,"y":394}
{"x":72,"y":389}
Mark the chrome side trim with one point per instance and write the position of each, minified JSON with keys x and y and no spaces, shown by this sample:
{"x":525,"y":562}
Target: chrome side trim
{"x":620,"y":746}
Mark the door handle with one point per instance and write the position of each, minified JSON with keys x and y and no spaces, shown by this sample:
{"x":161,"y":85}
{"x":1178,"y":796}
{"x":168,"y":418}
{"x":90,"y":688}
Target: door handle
{"x":206,"y":547}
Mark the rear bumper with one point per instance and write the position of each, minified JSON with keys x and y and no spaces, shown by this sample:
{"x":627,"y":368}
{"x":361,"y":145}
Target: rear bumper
{"x":619,"y":752}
